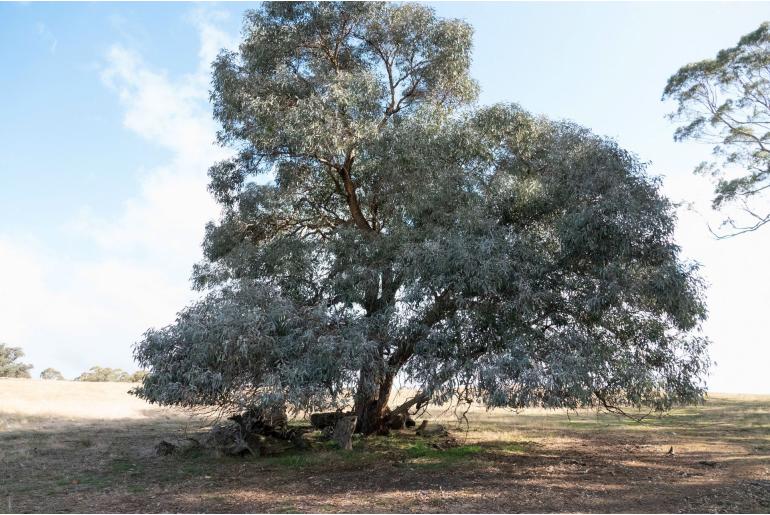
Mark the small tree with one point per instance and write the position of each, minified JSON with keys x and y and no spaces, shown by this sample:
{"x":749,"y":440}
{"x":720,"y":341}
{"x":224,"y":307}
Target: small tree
{"x":51,"y":374}
{"x":9,"y":366}
{"x":725,"y":101}
{"x":104,"y":374}
{"x":481,"y":252}
{"x":138,"y":376}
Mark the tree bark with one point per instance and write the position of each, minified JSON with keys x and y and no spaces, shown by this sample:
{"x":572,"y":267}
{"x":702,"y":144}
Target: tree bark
{"x":372,"y":403}
{"x":350,"y":195}
{"x":374,"y":388}
{"x":343,"y":431}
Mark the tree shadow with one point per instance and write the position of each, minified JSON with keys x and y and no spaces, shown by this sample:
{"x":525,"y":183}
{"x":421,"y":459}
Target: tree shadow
{"x":57,"y":465}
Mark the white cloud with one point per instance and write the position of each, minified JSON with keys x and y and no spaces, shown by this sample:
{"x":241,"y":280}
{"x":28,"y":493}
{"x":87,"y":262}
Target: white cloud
{"x":47,"y":36}
{"x":166,"y":220}
{"x":72,"y":313}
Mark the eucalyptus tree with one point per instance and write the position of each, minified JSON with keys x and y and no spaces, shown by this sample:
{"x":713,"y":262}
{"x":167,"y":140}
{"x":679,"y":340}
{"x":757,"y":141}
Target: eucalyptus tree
{"x":725,"y":101}
{"x":10,"y":366}
{"x":405,"y":232}
{"x":51,"y":374}
{"x":99,"y":374}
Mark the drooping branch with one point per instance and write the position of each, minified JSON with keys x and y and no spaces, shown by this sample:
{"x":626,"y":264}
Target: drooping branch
{"x":617,"y":410}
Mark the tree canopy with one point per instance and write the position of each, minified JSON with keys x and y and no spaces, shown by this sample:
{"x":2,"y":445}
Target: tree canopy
{"x":104,"y":374}
{"x":377,"y":223}
{"x":725,"y":101}
{"x":51,"y":374}
{"x":138,"y":376}
{"x":9,"y":364}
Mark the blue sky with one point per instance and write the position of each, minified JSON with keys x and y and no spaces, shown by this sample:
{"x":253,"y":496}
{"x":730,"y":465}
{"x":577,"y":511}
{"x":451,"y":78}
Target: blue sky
{"x":106,"y":135}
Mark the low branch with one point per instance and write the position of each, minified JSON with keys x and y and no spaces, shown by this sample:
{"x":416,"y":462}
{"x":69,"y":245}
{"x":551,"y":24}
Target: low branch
{"x":419,"y":400}
{"x":618,"y":410}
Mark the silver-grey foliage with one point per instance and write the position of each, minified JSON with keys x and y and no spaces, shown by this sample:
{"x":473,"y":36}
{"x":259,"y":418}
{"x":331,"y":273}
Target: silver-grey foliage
{"x":518,"y":260}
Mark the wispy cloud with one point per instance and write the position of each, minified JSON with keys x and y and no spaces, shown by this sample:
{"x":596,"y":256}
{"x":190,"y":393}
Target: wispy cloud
{"x":47,"y":36}
{"x":72,"y":313}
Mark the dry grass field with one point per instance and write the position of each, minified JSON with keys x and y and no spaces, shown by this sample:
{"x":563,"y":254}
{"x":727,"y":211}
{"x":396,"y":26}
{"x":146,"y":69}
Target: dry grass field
{"x":88,"y":447}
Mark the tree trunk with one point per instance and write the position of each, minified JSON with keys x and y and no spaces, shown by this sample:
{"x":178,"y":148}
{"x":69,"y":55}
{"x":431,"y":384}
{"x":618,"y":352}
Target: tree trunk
{"x":343,"y":432}
{"x":371,"y":405}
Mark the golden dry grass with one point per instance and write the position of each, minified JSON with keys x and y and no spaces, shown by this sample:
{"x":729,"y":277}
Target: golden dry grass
{"x":88,"y":447}
{"x":72,"y":400}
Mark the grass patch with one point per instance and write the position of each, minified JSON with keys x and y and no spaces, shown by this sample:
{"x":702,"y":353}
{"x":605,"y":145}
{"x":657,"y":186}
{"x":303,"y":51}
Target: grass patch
{"x":295,"y":460}
{"x":324,"y":454}
{"x":93,"y":480}
{"x":517,"y":447}
{"x":136,"y":489}
{"x":423,"y":455}
{"x":198,"y":465}
{"x":123,"y":466}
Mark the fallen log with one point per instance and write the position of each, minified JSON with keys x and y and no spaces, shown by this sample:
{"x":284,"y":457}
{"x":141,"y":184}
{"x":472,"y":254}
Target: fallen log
{"x":326,"y":419}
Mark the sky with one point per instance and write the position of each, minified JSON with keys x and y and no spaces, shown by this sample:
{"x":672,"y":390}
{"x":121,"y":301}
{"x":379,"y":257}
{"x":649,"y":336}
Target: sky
{"x":106,"y":136}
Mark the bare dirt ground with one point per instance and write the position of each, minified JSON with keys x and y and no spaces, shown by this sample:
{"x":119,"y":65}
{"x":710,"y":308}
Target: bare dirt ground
{"x":88,"y":447}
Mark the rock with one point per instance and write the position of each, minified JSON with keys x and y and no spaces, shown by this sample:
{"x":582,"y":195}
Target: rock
{"x":343,"y":432}
{"x":434,"y":430}
{"x":670,"y":451}
{"x":165,"y":448}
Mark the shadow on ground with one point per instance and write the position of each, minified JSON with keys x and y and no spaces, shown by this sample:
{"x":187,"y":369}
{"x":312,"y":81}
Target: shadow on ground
{"x":502,"y":463}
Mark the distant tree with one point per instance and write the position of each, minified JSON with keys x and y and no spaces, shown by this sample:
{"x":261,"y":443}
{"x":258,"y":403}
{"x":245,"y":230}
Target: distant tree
{"x":9,"y":367}
{"x":408,"y":233}
{"x":104,"y":374}
{"x":51,"y":374}
{"x":138,"y":376}
{"x":725,"y":101}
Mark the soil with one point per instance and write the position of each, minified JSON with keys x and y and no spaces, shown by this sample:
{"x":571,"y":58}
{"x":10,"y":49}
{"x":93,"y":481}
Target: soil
{"x":496,"y":461}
